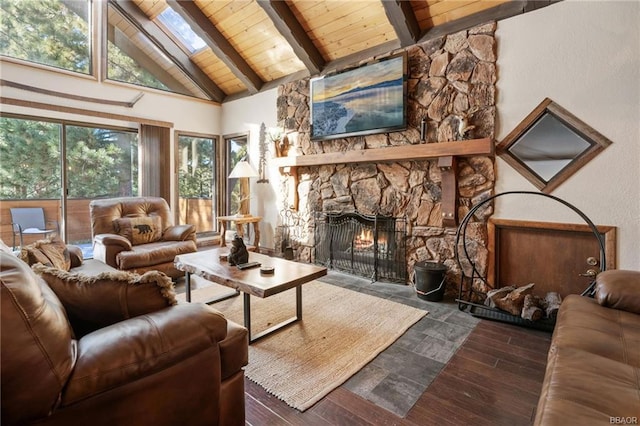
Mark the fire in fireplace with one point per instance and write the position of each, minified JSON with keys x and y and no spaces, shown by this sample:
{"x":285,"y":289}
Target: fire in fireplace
{"x":372,"y":246}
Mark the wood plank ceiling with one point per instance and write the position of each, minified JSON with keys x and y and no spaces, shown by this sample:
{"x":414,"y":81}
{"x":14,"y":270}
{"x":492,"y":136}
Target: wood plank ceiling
{"x":253,"y":45}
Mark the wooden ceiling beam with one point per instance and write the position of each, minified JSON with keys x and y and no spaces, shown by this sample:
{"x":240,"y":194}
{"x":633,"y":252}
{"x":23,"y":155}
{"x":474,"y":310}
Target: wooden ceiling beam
{"x":293,"y":32}
{"x":202,"y":26}
{"x":497,"y":13}
{"x":532,"y":5}
{"x":163,"y":42}
{"x":403,"y":19}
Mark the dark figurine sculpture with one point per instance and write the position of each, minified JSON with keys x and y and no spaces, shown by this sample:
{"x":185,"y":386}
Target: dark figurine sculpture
{"x":238,"y":253}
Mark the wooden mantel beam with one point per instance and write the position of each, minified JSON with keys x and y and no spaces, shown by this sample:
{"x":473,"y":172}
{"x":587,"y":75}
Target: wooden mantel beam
{"x":392,"y":153}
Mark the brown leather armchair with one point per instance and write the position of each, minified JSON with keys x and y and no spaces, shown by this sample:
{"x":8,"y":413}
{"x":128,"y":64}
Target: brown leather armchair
{"x":137,"y":234}
{"x":181,"y":364}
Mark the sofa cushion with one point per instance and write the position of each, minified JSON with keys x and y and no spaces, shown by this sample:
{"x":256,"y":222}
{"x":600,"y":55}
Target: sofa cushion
{"x":581,"y":388}
{"x":93,"y":302}
{"x":609,"y":333}
{"x":147,"y":255}
{"x":234,"y":350}
{"x":139,"y":230}
{"x":51,"y":252}
{"x":92,"y":267}
{"x":619,"y":289}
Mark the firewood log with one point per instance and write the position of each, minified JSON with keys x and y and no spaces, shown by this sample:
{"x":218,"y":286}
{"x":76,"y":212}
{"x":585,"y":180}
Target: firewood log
{"x":552,"y":302}
{"x":531,"y":309}
{"x":514,"y":300}
{"x":497,"y":293}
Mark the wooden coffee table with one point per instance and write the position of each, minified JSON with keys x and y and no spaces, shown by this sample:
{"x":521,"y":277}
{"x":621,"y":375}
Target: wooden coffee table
{"x":251,"y":282}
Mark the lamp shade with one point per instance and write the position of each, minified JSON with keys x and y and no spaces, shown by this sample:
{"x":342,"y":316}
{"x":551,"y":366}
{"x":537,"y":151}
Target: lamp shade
{"x":243,"y":170}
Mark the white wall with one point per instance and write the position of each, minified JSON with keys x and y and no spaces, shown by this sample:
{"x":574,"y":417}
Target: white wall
{"x":246,"y":115}
{"x":585,"y":56}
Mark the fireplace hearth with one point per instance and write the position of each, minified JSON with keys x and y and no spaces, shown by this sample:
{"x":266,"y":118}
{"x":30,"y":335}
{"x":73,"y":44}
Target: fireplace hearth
{"x":371,"y":246}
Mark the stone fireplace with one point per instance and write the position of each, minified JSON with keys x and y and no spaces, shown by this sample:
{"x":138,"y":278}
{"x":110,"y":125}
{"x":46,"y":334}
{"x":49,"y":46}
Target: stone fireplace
{"x":451,"y":83}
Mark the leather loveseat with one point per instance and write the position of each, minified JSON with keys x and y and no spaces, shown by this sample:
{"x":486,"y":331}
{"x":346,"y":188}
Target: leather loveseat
{"x":137,"y":234}
{"x":593,"y":366}
{"x":97,"y":353}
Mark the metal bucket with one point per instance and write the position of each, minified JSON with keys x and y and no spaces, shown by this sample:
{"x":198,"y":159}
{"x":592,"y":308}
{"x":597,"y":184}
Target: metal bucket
{"x":429,"y":280}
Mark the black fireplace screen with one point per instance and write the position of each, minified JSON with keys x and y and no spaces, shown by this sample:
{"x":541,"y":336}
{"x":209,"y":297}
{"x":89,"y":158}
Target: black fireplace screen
{"x":371,"y":246}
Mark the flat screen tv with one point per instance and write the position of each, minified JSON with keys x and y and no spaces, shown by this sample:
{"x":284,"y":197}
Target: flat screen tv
{"x":360,"y":101}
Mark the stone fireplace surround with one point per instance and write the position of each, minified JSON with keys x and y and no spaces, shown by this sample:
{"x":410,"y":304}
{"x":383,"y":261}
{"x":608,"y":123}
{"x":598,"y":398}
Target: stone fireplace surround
{"x":450,"y":78}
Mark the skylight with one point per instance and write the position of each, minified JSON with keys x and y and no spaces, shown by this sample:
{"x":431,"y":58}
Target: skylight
{"x":181,"y":29}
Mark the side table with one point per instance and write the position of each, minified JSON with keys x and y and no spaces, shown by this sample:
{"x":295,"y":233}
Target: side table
{"x":240,"y":221}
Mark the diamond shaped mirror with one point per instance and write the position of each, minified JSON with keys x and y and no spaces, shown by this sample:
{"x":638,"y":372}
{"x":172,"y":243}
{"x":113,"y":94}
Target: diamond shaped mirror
{"x":549,"y":145}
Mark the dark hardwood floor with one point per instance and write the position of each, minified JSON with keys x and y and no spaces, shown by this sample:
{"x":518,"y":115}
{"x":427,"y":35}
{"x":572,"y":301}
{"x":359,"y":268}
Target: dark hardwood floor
{"x":494,"y":378}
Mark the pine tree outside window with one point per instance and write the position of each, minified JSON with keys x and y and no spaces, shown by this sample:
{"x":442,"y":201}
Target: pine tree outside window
{"x":56,"y":33}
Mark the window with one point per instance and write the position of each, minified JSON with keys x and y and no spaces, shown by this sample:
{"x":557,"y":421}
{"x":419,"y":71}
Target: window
{"x":197,"y":182}
{"x":133,"y":58}
{"x":97,"y":163}
{"x":101,"y":163}
{"x":181,"y":30}
{"x":49,"y":32}
{"x":130,"y":56}
{"x":29,"y":159}
{"x":236,"y":150}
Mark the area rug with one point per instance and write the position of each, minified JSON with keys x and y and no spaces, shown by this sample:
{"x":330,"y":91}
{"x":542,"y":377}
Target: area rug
{"x":341,"y":331}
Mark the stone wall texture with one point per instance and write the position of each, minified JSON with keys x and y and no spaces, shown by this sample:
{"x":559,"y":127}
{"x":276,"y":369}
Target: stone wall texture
{"x":451,"y":84}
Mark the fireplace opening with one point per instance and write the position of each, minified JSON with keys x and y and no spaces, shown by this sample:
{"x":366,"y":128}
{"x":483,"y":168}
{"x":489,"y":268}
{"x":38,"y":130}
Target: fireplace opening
{"x":371,"y":246}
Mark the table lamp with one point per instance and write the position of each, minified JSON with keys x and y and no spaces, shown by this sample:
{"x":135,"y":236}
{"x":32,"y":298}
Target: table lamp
{"x":243,"y":171}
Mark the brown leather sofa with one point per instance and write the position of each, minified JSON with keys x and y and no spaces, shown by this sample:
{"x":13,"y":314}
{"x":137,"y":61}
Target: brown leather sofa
{"x":137,"y":234}
{"x":593,"y":367}
{"x":177,"y":364}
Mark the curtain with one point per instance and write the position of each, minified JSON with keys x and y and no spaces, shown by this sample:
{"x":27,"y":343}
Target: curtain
{"x":155,"y":143}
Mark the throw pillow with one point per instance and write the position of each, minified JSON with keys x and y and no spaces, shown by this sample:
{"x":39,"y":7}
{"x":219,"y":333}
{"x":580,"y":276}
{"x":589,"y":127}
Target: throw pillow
{"x":94,"y":302}
{"x":52,"y":252}
{"x":139,"y":230}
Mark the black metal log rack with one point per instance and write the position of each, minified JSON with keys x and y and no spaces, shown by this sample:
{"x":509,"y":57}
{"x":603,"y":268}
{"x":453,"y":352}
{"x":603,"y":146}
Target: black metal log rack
{"x":467,"y":293}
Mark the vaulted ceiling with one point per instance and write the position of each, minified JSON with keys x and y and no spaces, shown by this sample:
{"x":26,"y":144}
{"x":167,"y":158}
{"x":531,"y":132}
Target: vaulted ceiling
{"x":254,"y":45}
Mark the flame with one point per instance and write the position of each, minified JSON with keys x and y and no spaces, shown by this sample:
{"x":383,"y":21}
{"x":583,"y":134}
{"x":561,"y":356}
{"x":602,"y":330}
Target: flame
{"x":364,"y":240}
{"x":365,"y":236}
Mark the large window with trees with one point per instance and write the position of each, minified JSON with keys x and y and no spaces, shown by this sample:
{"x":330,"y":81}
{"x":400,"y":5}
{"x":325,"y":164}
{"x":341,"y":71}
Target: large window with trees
{"x":129,"y":58}
{"x":49,"y":32}
{"x":60,"y":34}
{"x":101,"y":162}
{"x":197,"y":171}
{"x":62,"y":166}
{"x":29,"y":159}
{"x":133,"y":58}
